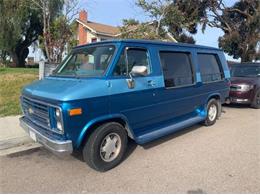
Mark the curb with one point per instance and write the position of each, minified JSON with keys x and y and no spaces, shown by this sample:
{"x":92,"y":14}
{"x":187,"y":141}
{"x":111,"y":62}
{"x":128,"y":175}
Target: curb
{"x":20,"y":149}
{"x":14,"y":142}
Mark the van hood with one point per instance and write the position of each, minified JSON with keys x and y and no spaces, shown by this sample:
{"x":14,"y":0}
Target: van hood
{"x":66,"y":89}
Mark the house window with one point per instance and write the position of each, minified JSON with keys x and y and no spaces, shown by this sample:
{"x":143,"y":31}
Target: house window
{"x":93,"y":40}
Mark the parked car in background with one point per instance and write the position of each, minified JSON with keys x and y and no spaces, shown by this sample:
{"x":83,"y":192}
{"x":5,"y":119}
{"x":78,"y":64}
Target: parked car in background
{"x":245,"y":84}
{"x":105,"y":93}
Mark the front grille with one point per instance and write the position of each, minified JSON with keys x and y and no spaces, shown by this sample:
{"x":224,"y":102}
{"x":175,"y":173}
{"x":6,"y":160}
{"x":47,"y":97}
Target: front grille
{"x":37,"y":112}
{"x":235,"y":88}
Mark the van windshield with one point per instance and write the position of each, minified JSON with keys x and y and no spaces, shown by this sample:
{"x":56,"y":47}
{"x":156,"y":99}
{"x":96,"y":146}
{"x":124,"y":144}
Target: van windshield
{"x":87,"y":62}
{"x":245,"y":71}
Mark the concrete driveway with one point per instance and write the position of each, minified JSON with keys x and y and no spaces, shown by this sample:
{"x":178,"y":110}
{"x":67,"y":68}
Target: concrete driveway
{"x":224,"y":158}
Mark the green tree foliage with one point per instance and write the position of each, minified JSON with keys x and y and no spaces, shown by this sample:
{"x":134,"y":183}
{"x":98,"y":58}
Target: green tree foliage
{"x":20,"y":27}
{"x":178,"y":19}
{"x":133,"y":29}
{"x":58,"y":29}
{"x":240,"y":24}
{"x":24,"y":22}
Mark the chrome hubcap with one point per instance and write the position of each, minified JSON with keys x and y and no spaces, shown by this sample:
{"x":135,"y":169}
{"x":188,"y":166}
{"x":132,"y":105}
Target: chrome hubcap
{"x":212,"y":112}
{"x":110,"y":147}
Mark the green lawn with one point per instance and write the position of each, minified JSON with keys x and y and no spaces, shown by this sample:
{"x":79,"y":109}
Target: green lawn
{"x":11,"y":82}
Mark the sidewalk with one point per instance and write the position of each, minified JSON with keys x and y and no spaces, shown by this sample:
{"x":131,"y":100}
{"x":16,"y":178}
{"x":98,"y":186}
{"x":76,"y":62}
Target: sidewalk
{"x":12,"y":137}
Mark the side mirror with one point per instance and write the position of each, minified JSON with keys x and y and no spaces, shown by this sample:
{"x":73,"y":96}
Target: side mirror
{"x":139,"y":70}
{"x":136,"y":70}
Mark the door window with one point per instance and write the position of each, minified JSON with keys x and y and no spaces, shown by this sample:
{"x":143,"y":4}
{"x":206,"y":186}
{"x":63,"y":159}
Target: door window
{"x":177,"y":68}
{"x":209,"y":68}
{"x":135,"y":57}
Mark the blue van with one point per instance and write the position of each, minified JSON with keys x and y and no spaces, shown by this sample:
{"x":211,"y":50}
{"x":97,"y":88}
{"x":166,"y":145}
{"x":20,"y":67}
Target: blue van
{"x":104,"y":93}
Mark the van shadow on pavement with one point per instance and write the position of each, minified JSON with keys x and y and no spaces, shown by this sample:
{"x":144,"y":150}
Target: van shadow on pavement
{"x":171,"y":136}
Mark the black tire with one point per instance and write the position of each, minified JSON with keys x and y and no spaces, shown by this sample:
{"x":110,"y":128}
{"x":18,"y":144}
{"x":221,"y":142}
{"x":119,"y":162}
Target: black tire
{"x":92,"y":153}
{"x":209,"y":120}
{"x":256,"y":101}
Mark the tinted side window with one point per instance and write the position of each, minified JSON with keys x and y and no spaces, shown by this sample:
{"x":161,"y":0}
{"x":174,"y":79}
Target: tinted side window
{"x":177,"y":68}
{"x":209,"y":68}
{"x":135,"y":57}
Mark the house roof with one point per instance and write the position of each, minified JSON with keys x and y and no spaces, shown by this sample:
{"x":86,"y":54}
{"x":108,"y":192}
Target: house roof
{"x":112,"y":31}
{"x":98,"y":28}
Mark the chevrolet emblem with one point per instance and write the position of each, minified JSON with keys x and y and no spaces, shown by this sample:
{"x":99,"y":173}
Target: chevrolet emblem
{"x":30,"y":110}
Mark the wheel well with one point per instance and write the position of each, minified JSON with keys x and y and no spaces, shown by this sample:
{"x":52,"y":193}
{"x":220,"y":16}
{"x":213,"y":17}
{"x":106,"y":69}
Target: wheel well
{"x":217,"y":97}
{"x":99,"y":123}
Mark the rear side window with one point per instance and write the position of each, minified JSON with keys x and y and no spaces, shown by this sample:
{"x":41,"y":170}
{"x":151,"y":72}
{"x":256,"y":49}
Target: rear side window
{"x":177,"y":68}
{"x":209,"y":68}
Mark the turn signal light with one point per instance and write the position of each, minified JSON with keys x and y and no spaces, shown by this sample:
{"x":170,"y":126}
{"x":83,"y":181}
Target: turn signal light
{"x":75,"y":111}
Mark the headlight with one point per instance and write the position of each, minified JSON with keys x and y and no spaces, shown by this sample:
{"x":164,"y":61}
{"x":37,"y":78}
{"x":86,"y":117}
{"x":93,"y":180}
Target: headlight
{"x":245,"y":87}
{"x":58,"y":119}
{"x":57,"y":113}
{"x":59,"y":126}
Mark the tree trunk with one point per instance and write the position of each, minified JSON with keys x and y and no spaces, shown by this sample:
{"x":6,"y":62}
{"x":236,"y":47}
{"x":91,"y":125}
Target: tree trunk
{"x":245,"y":57}
{"x":3,"y":56}
{"x":15,"y":60}
{"x":18,"y":56}
{"x":45,"y":36}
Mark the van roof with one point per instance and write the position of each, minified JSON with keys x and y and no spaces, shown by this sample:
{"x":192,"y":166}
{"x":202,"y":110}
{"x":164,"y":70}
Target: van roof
{"x":152,"y":42}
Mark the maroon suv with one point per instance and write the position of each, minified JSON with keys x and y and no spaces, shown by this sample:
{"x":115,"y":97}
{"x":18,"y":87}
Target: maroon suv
{"x":245,"y":84}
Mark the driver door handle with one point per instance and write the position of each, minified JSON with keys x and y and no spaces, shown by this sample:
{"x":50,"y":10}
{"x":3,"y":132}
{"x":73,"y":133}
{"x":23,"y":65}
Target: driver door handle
{"x":151,"y":83}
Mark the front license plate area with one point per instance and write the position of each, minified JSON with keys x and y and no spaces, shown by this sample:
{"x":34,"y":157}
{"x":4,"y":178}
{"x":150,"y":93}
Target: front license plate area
{"x":33,"y":136}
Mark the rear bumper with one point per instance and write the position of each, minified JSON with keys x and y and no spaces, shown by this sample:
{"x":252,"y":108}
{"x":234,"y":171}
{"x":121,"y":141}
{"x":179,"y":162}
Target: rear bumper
{"x":58,"y":147}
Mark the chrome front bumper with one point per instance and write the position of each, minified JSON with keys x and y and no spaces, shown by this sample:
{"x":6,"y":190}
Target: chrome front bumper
{"x":239,"y":100}
{"x":56,"y":146}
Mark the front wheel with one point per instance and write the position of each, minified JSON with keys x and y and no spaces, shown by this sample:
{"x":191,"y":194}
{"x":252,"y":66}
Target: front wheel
{"x":256,"y":101}
{"x":105,"y":147}
{"x":213,"y":110}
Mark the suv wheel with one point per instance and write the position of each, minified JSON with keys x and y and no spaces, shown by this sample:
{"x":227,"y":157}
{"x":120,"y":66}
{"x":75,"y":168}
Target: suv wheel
{"x":105,"y":147}
{"x":213,"y":110}
{"x":256,"y":102}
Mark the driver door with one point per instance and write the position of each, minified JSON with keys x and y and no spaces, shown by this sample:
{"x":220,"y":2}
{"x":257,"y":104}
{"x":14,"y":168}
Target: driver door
{"x":136,"y":103}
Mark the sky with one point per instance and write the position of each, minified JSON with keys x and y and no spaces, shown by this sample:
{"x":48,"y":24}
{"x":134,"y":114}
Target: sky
{"x":112,"y":12}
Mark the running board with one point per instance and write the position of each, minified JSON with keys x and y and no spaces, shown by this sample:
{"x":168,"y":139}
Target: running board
{"x":155,"y":134}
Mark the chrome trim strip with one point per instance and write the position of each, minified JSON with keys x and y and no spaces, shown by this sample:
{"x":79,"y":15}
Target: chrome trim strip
{"x":38,"y":101}
{"x":56,"y":146}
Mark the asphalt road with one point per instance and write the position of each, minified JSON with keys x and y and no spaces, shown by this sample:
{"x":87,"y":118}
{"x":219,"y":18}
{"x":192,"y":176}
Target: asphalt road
{"x":224,"y":158}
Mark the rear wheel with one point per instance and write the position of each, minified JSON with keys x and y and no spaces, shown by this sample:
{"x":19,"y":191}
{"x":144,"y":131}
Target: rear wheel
{"x":213,"y":110}
{"x":106,"y":146}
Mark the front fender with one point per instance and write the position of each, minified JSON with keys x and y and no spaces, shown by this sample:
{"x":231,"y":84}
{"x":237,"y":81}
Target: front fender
{"x":101,"y":119}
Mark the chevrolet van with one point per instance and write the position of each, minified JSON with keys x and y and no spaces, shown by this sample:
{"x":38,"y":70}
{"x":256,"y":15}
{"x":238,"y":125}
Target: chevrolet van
{"x":105,"y":93}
